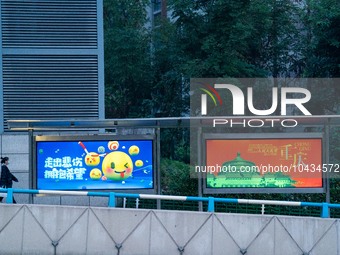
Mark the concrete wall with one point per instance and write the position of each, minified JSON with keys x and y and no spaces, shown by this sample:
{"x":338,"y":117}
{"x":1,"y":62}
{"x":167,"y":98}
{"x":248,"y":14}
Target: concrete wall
{"x":46,"y":229}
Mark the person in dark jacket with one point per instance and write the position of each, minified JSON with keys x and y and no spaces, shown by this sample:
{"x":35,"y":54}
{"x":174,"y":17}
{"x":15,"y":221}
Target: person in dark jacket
{"x":7,"y":178}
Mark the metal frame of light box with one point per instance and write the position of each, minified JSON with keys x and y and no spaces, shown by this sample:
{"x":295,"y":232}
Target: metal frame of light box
{"x":104,"y":137}
{"x":261,"y":136}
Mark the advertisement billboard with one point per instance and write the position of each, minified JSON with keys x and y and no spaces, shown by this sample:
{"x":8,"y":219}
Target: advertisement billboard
{"x":281,"y":164}
{"x":94,"y":163}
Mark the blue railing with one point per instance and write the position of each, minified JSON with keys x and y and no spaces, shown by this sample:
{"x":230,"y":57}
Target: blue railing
{"x":210,"y":200}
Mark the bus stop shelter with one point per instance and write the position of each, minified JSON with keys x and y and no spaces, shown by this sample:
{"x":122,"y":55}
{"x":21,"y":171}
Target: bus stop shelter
{"x":306,"y":124}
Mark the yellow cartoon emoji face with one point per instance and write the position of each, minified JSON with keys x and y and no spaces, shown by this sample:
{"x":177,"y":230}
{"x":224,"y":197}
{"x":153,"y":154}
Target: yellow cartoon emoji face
{"x":134,"y":150}
{"x":117,"y":166}
{"x":139,"y":163}
{"x":92,"y":159}
{"x":95,"y":174}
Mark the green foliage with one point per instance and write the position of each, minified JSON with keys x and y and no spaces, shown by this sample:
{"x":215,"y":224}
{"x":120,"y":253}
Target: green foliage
{"x":321,"y":27}
{"x":236,"y":38}
{"x":147,"y":72}
{"x":127,"y":60}
{"x":175,"y":144}
{"x":169,"y":91}
{"x":214,"y":38}
{"x":176,"y":178}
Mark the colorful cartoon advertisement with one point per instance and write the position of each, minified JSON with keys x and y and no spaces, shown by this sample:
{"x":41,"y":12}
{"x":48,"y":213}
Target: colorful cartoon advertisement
{"x":264,"y":163}
{"x":94,"y":165}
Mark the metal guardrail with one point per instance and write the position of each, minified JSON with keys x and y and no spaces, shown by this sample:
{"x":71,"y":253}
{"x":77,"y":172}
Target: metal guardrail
{"x":211,"y":200}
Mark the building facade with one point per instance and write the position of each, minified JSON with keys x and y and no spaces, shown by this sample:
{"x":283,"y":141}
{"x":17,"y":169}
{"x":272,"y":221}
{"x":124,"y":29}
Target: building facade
{"x":52,"y":60}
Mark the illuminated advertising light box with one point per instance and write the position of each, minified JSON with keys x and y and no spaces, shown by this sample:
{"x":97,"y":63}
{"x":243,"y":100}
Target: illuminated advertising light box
{"x":94,"y":162}
{"x":254,"y":163}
